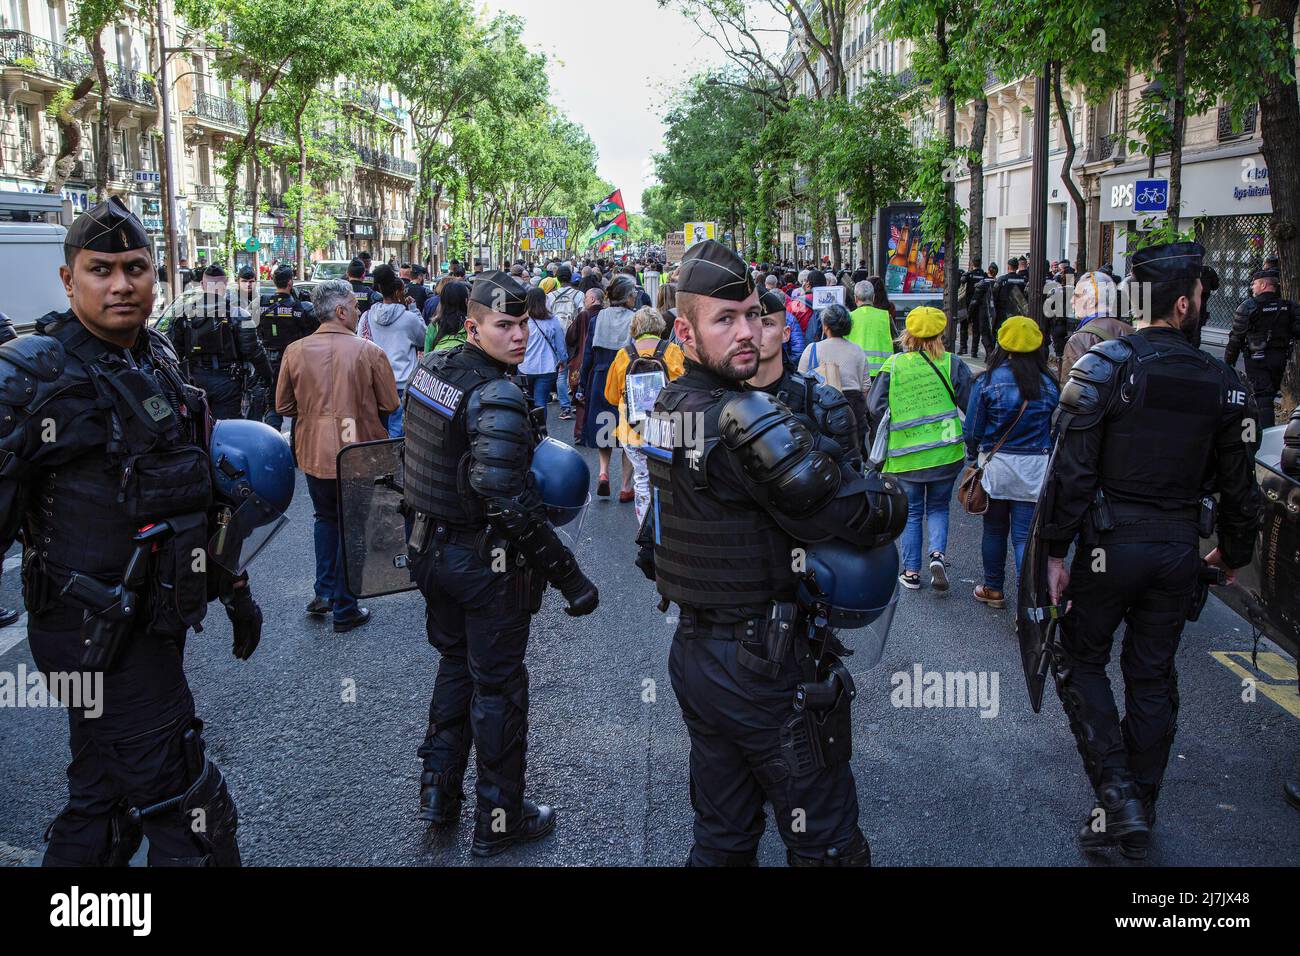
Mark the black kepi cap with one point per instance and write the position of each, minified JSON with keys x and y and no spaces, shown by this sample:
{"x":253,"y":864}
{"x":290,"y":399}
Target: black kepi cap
{"x":499,"y":292}
{"x":1172,"y":260}
{"x":710,"y":268}
{"x":107,"y":227}
{"x":771,"y":301}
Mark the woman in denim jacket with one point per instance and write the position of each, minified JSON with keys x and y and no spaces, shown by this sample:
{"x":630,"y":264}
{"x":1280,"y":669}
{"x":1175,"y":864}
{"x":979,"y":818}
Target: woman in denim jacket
{"x":1017,"y":376}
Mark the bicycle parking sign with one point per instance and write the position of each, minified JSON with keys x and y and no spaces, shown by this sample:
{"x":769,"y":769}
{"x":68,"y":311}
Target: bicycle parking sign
{"x":1151,"y":195}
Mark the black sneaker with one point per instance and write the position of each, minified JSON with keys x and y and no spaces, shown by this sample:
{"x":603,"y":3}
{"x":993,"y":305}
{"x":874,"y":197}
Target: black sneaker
{"x":318,"y":606}
{"x":938,"y":571}
{"x":356,"y":620}
{"x":8,"y":615}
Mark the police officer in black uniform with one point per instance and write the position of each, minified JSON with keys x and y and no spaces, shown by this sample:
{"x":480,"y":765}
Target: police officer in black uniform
{"x":738,"y":483}
{"x":1150,"y":427}
{"x":285,"y":318}
{"x":215,"y":338}
{"x":482,"y":552}
{"x":363,"y":286}
{"x":824,"y":409}
{"x":1010,"y":296}
{"x":1264,"y":329}
{"x":101,"y":438}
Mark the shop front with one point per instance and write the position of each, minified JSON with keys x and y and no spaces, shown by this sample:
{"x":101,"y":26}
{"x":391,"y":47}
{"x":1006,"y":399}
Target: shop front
{"x":1225,"y":197}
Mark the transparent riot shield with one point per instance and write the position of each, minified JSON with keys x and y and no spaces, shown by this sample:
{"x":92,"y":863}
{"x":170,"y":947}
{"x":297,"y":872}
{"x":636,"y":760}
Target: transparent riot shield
{"x":371,"y":524}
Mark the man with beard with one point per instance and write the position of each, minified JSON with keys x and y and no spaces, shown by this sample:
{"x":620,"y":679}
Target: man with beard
{"x":824,"y":409}
{"x":738,"y":484}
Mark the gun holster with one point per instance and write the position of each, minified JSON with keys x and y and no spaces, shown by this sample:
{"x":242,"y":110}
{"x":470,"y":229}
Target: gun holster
{"x":819,"y":733}
{"x":775,"y":639}
{"x":1205,"y":517}
{"x":1208,"y":575}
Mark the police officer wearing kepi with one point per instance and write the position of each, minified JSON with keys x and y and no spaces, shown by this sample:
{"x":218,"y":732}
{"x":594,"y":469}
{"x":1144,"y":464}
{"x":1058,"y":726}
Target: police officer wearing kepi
{"x":362,"y":285}
{"x":739,"y":483}
{"x":482,"y":551}
{"x":824,"y":409}
{"x":1264,"y":329}
{"x":107,"y":477}
{"x":1150,"y":428}
{"x":214,"y":338}
{"x":286,"y":317}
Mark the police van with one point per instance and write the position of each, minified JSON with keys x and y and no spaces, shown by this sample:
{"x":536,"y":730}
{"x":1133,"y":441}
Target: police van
{"x":32,"y":227}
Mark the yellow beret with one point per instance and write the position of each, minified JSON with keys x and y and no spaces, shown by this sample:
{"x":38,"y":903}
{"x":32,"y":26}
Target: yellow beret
{"x":1020,"y":333}
{"x":549,"y":284}
{"x":925,"y":321}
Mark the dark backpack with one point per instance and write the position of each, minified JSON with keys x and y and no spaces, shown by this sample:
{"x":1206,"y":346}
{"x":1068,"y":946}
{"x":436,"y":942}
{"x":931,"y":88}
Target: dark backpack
{"x":636,"y":394}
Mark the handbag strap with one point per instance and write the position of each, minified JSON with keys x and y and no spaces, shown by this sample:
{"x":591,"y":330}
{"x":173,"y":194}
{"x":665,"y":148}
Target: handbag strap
{"x":1007,"y":434}
{"x":930,"y":362}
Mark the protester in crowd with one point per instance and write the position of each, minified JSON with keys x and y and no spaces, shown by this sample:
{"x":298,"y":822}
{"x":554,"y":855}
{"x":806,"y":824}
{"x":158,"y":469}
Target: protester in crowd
{"x":608,"y":333}
{"x":654,"y":353}
{"x":575,"y":338}
{"x":399,"y":330}
{"x":447,"y":330}
{"x":545,"y":355}
{"x":564,"y":303}
{"x":871,"y":329}
{"x":880,"y":299}
{"x":416,"y":288}
{"x":921,"y":389}
{"x":838,"y":362}
{"x":1009,"y":417}
{"x":336,"y":386}
{"x":1095,"y":305}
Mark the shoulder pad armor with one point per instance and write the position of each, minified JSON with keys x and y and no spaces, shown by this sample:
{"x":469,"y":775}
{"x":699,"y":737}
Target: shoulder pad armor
{"x":777,"y":452}
{"x":834,"y":414}
{"x":163,"y":345}
{"x":501,"y":439}
{"x":1088,"y":387}
{"x":29,"y":367}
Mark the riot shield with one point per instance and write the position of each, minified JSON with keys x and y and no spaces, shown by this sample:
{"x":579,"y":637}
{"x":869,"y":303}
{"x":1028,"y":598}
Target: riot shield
{"x":1037,"y":618}
{"x":371,"y":525}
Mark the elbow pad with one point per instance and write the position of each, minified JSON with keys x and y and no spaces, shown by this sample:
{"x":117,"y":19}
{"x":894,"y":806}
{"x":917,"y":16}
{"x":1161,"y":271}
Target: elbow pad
{"x":1088,"y":388}
{"x":777,"y":452}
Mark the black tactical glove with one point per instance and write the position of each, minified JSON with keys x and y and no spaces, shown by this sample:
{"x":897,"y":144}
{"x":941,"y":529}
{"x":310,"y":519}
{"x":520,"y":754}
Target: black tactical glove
{"x":579,"y":592}
{"x":246,"y":619}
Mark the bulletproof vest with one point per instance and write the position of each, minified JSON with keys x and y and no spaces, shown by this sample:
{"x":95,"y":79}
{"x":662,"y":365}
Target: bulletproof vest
{"x":211,"y":334}
{"x":714,"y":547}
{"x":147,"y":463}
{"x":1270,"y":322}
{"x":1011,"y":298}
{"x":1158,"y":444}
{"x":281,"y":321}
{"x":437,"y":434}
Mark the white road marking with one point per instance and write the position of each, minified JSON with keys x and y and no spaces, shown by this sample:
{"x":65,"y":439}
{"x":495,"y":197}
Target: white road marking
{"x":14,"y":634}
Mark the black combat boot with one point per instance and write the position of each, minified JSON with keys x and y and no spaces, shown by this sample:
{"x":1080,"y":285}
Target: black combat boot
{"x":441,"y":796}
{"x":856,"y":852}
{"x":494,"y":834}
{"x":1120,"y":819}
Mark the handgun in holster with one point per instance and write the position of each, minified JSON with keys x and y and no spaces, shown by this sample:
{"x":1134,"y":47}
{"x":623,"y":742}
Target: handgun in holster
{"x":1208,"y":575}
{"x":110,"y":609}
{"x":776,"y":638}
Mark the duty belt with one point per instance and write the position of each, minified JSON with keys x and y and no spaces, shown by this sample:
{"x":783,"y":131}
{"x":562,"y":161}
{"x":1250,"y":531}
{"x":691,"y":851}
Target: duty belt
{"x":694,"y":624}
{"x":447,"y":534}
{"x":213,"y":364}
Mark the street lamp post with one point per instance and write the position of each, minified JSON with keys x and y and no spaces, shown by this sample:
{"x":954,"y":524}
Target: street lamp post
{"x":168,"y":180}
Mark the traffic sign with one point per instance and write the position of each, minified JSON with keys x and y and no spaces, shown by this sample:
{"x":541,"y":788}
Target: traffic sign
{"x":801,"y":240}
{"x":252,"y":244}
{"x":1151,"y":195}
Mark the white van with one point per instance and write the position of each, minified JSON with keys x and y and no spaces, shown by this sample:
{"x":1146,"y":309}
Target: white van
{"x":31,"y":251}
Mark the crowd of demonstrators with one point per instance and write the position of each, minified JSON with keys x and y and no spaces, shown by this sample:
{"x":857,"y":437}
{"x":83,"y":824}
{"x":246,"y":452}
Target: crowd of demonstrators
{"x":546,"y":355}
{"x":338,"y":387}
{"x":915,"y":403}
{"x":447,"y":326}
{"x":564,"y":303}
{"x":1008,"y":430}
{"x":607,"y":334}
{"x":575,"y":339}
{"x":649,"y":353}
{"x":840,"y":363}
{"x":393,"y":324}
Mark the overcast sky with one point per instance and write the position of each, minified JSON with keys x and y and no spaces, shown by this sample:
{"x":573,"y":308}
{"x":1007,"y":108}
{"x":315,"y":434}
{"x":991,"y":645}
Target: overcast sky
{"x":612,"y":68}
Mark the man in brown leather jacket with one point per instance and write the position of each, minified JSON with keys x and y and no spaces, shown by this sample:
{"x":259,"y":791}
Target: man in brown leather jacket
{"x":1096,"y":308}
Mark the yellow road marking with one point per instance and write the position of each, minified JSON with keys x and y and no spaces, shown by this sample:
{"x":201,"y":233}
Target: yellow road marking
{"x":1275,"y":680}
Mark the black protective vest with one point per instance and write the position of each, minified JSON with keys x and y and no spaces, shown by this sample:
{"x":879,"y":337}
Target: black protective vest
{"x":210,"y":335}
{"x":281,"y":323}
{"x":437,"y":435}
{"x":144,"y":464}
{"x":714,"y":547}
{"x":1271,"y":322}
{"x":1159,"y":448}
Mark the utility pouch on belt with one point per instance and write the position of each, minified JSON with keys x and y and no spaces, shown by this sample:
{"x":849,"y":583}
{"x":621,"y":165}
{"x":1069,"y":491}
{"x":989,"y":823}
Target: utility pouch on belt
{"x":777,"y":633}
{"x":178,"y":594}
{"x":820,"y":732}
{"x":1205,"y":517}
{"x":166,"y":483}
{"x":1100,"y":514}
{"x":421,"y":528}
{"x":36,"y":583}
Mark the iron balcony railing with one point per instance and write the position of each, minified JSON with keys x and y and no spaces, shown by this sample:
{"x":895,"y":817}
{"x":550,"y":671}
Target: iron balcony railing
{"x":1226,"y":128}
{"x":387,"y":161}
{"x":207,"y":106}
{"x":70,"y":65}
{"x":1102,"y":147}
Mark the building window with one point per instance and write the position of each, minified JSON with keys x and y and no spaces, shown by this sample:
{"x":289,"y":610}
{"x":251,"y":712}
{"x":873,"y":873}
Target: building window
{"x":13,"y":14}
{"x":58,"y":20}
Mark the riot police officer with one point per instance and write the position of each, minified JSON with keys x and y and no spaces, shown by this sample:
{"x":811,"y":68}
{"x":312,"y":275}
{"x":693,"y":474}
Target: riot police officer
{"x":1264,"y":329}
{"x":824,"y":409}
{"x":1150,"y":427}
{"x":106,"y":477}
{"x":362,"y":285}
{"x":738,"y":482}
{"x":482,"y":551}
{"x":285,"y":318}
{"x":215,"y":338}
{"x":1010,"y":296}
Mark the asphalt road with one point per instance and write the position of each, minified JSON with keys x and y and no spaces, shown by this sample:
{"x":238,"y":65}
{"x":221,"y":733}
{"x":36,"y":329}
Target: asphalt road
{"x":323,"y":781}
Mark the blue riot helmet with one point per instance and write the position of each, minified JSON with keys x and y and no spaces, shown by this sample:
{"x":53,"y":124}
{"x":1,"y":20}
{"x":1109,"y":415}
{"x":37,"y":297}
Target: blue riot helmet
{"x":253,"y":480}
{"x":853,"y":588}
{"x":563,"y":481}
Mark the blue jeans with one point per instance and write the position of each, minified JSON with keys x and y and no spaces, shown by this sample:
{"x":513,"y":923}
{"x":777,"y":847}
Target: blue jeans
{"x":395,"y":429}
{"x":331,"y":583}
{"x":562,"y":390}
{"x":926,"y":501}
{"x":539,"y":387}
{"x":1003,"y":518}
